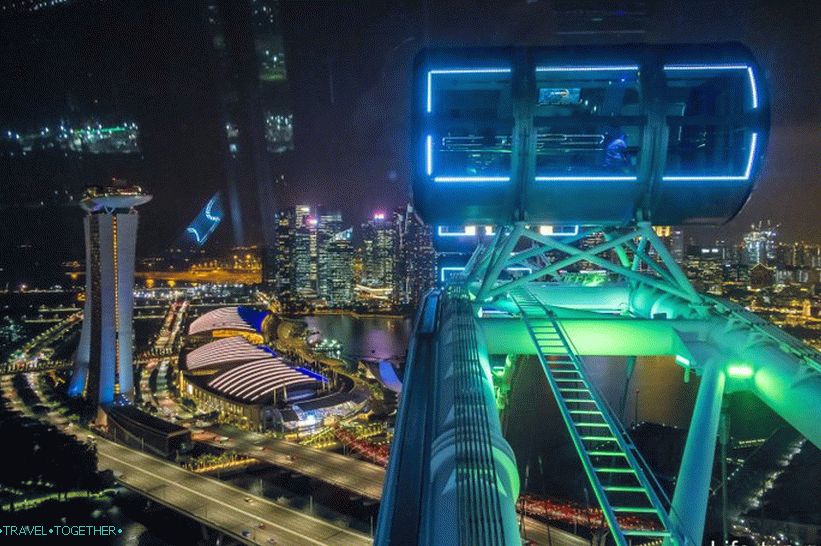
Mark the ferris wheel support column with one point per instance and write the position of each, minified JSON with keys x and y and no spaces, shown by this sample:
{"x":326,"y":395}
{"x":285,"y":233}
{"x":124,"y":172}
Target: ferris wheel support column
{"x":689,"y":506}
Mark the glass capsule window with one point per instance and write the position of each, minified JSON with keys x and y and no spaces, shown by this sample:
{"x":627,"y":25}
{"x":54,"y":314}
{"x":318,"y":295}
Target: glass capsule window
{"x":588,"y":122}
{"x":470,"y":129}
{"x":708,"y":108}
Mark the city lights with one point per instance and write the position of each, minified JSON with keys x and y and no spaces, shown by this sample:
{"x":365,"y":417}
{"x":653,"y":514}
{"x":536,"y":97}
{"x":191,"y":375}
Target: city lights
{"x":420,"y":274}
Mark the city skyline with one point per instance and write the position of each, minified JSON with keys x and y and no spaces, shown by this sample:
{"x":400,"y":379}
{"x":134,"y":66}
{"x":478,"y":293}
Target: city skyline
{"x":412,"y":272}
{"x":325,"y":118}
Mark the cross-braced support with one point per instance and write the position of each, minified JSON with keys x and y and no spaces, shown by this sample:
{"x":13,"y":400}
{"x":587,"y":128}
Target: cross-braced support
{"x":642,"y":258}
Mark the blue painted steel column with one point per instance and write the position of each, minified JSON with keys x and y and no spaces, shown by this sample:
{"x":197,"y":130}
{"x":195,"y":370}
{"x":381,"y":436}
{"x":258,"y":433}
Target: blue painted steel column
{"x":693,"y":484}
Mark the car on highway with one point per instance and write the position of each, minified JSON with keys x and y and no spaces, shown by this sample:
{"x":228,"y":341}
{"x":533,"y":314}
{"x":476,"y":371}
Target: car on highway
{"x":246,"y":533}
{"x":249,"y":500}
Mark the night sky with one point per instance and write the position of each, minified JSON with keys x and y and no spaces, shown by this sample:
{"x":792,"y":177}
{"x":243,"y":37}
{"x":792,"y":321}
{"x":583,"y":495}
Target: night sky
{"x":349,"y":69}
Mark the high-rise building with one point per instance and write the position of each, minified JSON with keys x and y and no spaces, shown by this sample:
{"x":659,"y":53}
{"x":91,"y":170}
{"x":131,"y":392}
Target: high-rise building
{"x":760,"y":245}
{"x":380,"y":245}
{"x":302,"y":284}
{"x":103,"y":368}
{"x":329,"y":225}
{"x":416,"y":267}
{"x":278,"y":271}
{"x":336,"y":272}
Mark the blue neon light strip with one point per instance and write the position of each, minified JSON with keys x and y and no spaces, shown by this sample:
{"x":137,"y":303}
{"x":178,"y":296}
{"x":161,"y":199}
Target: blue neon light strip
{"x":195,"y":233}
{"x":673,"y":67}
{"x":753,"y":87}
{"x":471,"y":179}
{"x":215,"y":221}
{"x":749,"y":69}
{"x":616,"y":68}
{"x":208,"y":210}
{"x":431,"y":73}
{"x":584,"y":178}
{"x":745,"y":176}
{"x":429,"y":155}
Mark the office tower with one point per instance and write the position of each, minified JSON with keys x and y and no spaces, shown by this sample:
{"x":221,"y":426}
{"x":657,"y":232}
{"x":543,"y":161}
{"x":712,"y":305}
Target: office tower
{"x":247,"y":57}
{"x":416,"y":267}
{"x":301,"y":214}
{"x":304,"y":280}
{"x":760,"y":244}
{"x":379,"y":254}
{"x":278,"y":265}
{"x":103,"y":368}
{"x":336,"y":272}
{"x":329,"y":225}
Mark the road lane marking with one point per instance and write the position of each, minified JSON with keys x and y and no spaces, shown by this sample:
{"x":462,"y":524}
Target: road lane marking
{"x":197,"y":493}
{"x":294,"y":512}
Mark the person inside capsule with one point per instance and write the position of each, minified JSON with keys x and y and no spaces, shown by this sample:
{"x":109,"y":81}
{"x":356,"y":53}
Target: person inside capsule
{"x":615,"y":157}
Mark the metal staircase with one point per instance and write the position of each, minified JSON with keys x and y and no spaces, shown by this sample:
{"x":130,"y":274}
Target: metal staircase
{"x":628,"y":500}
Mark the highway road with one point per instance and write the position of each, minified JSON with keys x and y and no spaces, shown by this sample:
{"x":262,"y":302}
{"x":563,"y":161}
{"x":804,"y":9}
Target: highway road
{"x":347,"y":473}
{"x":231,"y":509}
{"x":351,"y":474}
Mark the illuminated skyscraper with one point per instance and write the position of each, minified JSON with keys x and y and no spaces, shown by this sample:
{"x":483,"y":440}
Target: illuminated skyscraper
{"x":760,"y":244}
{"x":103,"y":368}
{"x":379,"y":255}
{"x":329,"y":225}
{"x":304,"y":258}
{"x":416,"y":267}
{"x":336,"y":271}
{"x":278,"y":270}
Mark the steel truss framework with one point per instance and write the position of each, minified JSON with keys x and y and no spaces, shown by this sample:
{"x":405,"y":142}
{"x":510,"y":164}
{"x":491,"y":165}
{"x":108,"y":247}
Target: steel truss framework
{"x":634,"y":256}
{"x":633,"y":246}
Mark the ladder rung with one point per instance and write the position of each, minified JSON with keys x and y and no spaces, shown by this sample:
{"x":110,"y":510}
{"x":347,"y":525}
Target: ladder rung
{"x":625,"y":488}
{"x":615,"y":470}
{"x":592,"y":425}
{"x":599,"y":438}
{"x":606,"y":454}
{"x":565,"y":380}
{"x":646,"y":532}
{"x":575,"y":400}
{"x":635,"y":509}
{"x":567,"y":371}
{"x":584,"y":412}
{"x":572,"y":389}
